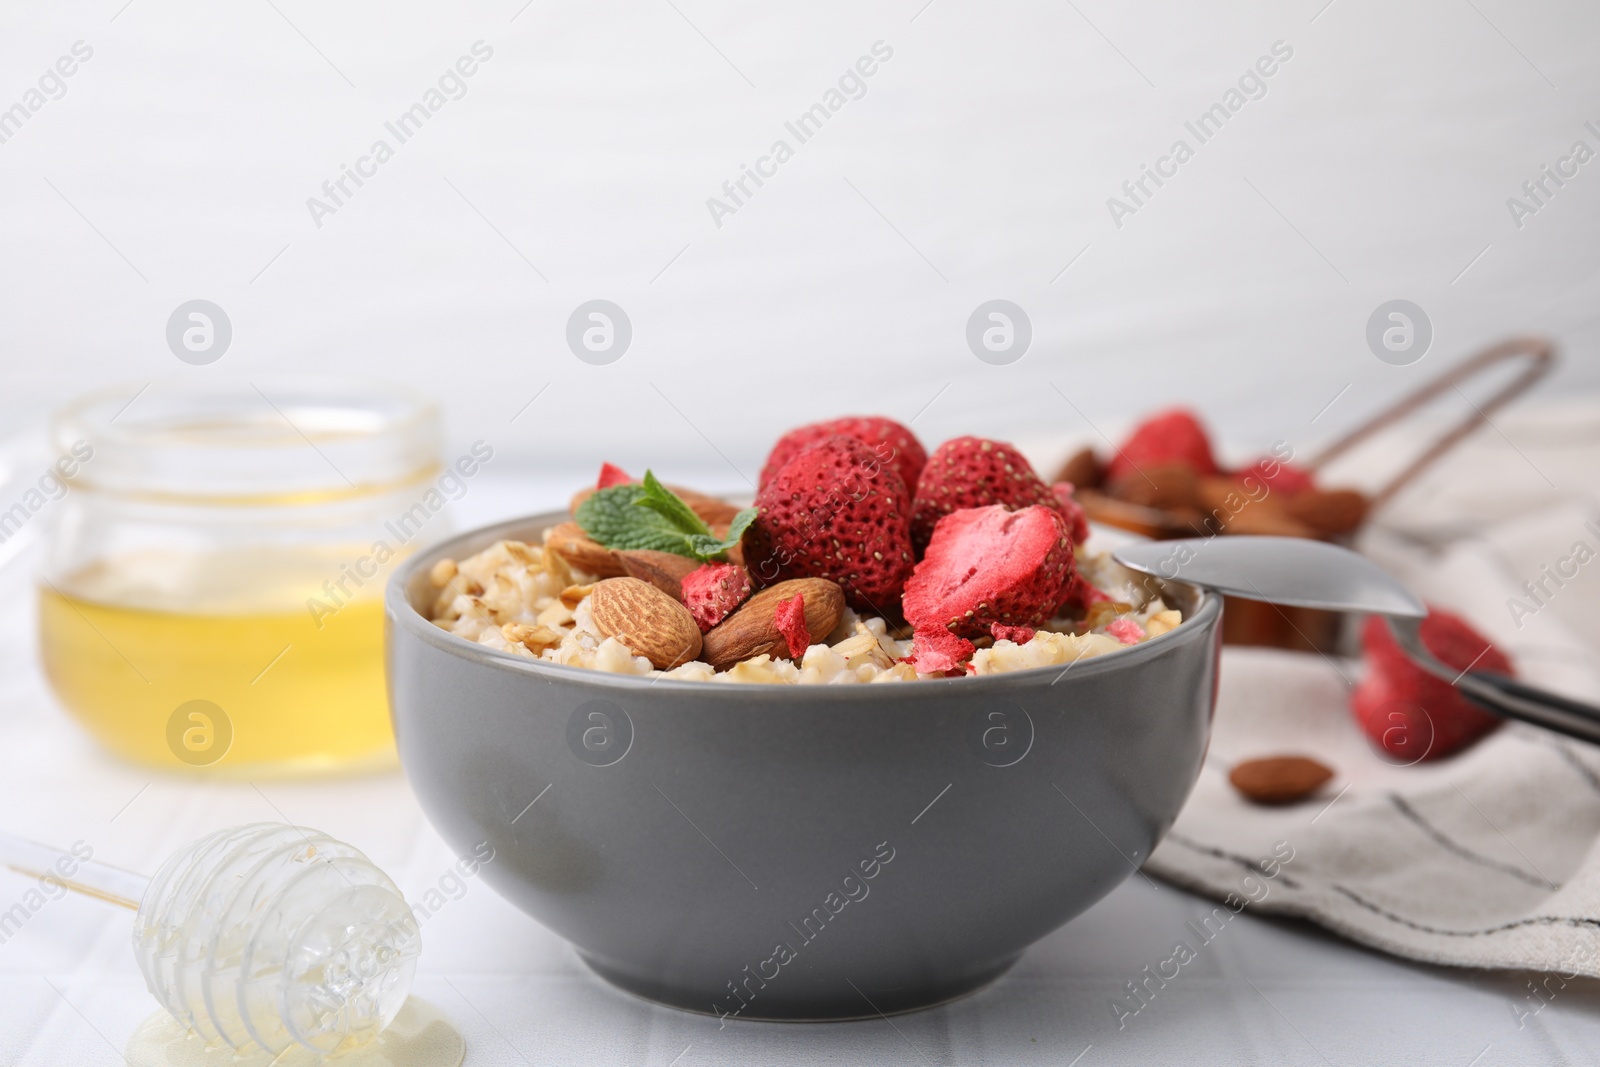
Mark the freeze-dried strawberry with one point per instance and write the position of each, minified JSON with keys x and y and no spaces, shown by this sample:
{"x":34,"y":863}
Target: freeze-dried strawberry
{"x":1072,"y":511}
{"x":1171,"y":436}
{"x":1081,"y":594}
{"x":611,"y":475}
{"x":713,"y":590}
{"x":834,"y":511}
{"x":1125,"y":630}
{"x":1408,"y":712}
{"x":790,"y":617}
{"x":974,"y":472}
{"x":1278,"y":476}
{"x":891,"y":442}
{"x":938,"y":650}
{"x":1019,"y":634}
{"x":988,"y":565}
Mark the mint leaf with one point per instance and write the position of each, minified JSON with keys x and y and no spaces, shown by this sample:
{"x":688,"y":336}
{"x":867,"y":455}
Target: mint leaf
{"x":740,"y":523}
{"x":664,"y":502}
{"x":613,"y":518}
{"x":651,"y":516}
{"x":707,"y":546}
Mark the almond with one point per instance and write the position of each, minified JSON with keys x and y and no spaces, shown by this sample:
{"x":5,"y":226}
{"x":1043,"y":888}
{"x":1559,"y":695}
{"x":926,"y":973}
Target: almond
{"x":753,"y":629}
{"x":664,"y":570}
{"x":1278,"y":779}
{"x":1266,"y":517}
{"x":1160,"y":485}
{"x":1328,"y":511}
{"x":1230,"y":509}
{"x":1221,"y":495}
{"x":647,"y":620}
{"x":568,"y":541}
{"x":1151,"y":522}
{"x":1082,"y":469}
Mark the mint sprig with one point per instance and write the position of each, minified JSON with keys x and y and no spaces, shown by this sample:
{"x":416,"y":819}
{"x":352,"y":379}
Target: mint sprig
{"x":651,"y":516}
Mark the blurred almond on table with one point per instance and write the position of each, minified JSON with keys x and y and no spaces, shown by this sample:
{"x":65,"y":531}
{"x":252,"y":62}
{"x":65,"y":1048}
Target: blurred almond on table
{"x":1279,"y":779}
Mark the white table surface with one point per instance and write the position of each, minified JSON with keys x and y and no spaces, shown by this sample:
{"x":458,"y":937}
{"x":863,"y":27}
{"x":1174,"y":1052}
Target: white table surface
{"x":1263,"y":991}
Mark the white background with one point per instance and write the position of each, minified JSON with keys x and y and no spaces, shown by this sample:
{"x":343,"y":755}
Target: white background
{"x":977,"y":166}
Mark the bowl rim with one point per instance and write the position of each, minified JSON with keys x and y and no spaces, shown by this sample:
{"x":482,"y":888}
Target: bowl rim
{"x":399,"y":611}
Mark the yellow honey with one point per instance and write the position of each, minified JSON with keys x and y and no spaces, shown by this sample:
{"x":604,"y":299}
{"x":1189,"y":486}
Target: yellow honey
{"x":237,"y":662}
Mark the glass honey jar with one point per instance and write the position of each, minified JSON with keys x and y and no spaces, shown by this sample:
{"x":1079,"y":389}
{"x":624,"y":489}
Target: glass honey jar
{"x":210,"y":594}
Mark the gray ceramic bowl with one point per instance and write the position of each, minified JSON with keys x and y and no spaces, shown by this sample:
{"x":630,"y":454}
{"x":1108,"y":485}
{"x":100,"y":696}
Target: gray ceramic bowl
{"x":797,"y":852}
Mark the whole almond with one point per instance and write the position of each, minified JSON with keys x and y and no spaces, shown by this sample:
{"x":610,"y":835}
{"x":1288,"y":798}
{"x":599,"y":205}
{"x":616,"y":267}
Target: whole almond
{"x":1328,"y":511}
{"x":1082,"y":469}
{"x":647,"y":620}
{"x":1231,"y":508}
{"x":573,"y":545}
{"x":1267,"y":517}
{"x":1223,"y":495}
{"x":1159,"y":485}
{"x":753,"y":629}
{"x":664,"y":570}
{"x":1278,"y":779}
{"x":1151,"y":522}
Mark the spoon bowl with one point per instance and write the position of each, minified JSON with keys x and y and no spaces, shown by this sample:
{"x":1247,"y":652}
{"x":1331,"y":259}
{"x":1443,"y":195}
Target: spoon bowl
{"x":1299,"y":572}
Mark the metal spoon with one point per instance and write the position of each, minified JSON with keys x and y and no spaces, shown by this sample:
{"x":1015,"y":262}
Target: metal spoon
{"x":1314,"y":574}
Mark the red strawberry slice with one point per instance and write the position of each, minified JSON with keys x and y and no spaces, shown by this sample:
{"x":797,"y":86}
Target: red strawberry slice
{"x":974,"y":472}
{"x":790,"y":618}
{"x":893,"y":443}
{"x":938,"y":650}
{"x":1125,"y":630}
{"x":990,"y":565}
{"x":834,"y":511}
{"x":611,"y":474}
{"x":712,"y":591}
{"x":1409,"y":713}
{"x":1019,"y":634}
{"x":1171,"y":436}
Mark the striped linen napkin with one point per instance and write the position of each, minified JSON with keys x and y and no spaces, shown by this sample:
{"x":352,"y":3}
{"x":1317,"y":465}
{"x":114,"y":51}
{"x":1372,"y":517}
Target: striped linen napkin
{"x":1484,"y":859}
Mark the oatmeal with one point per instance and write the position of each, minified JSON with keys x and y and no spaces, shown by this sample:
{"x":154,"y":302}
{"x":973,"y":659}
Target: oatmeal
{"x":853,"y":525}
{"x":526,"y":600}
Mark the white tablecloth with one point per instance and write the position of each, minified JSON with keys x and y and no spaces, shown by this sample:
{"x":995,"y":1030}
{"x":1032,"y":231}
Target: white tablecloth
{"x":1264,"y":990}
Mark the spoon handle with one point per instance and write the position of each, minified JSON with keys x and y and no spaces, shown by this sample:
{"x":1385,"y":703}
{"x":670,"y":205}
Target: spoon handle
{"x":1504,"y":696}
{"x":1509,"y":697}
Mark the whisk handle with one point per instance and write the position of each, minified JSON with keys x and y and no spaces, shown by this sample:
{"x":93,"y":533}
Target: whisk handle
{"x":74,"y":869}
